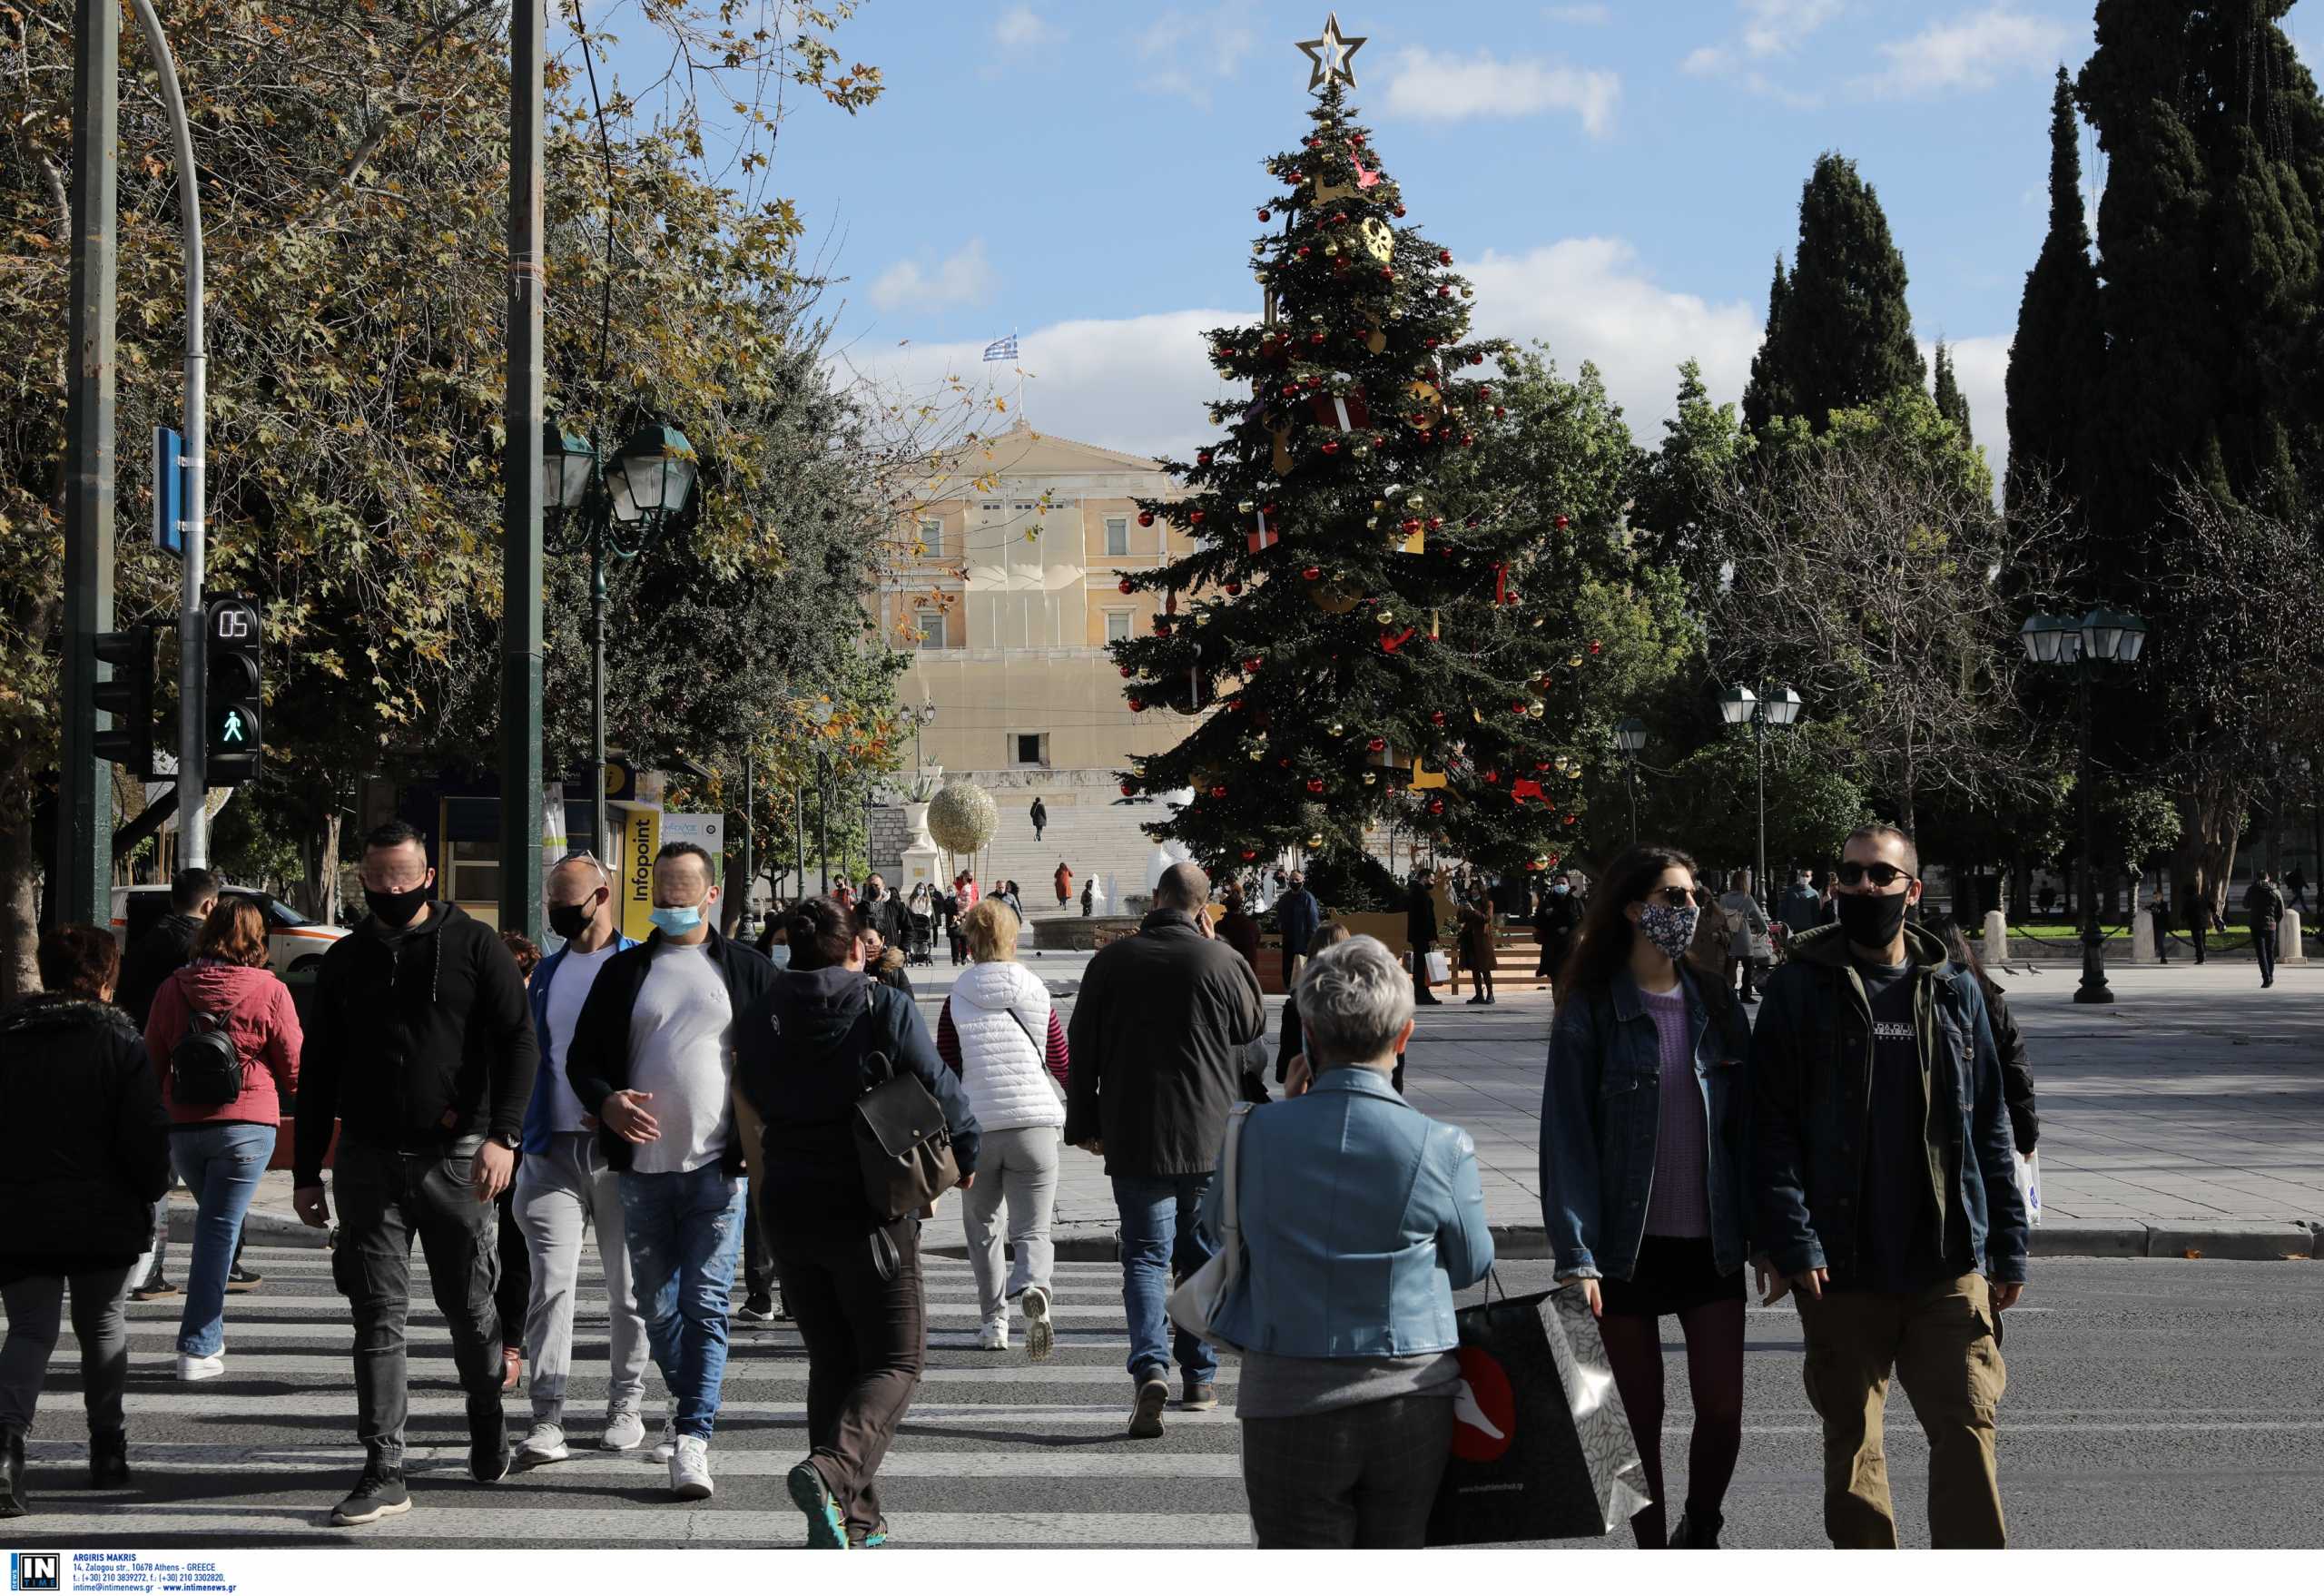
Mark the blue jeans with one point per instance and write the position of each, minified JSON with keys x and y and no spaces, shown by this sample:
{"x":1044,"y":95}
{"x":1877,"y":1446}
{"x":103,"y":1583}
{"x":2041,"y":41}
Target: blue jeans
{"x":1160,"y":1237}
{"x":685,"y":1233}
{"x":221,"y":1165}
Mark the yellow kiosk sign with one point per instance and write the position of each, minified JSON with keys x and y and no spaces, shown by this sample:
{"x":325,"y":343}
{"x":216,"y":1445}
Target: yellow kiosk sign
{"x":641,"y":839}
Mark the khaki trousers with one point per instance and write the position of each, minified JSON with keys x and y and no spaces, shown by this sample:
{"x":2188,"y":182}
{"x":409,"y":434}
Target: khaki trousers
{"x":1944,"y":1344}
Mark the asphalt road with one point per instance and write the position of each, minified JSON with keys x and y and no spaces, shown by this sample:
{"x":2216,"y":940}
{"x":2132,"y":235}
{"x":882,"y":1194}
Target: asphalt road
{"x":2150,"y":1402}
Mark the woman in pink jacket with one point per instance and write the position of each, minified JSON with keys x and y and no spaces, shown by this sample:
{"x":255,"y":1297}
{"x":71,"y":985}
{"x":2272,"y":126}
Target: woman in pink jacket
{"x":224,"y":1110}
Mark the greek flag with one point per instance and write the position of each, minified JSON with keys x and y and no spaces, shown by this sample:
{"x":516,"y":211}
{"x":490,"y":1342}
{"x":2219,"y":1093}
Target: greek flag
{"x":1001,"y":348}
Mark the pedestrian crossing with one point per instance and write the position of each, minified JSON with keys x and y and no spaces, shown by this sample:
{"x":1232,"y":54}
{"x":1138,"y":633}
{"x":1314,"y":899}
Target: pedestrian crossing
{"x":996,"y":1452}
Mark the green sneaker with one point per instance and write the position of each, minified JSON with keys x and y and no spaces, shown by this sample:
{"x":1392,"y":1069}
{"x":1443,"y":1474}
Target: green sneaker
{"x":877,"y":1536}
{"x":826,"y":1532}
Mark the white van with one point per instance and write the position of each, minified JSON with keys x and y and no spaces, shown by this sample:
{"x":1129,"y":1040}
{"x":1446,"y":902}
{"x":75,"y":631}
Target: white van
{"x":292,"y":940}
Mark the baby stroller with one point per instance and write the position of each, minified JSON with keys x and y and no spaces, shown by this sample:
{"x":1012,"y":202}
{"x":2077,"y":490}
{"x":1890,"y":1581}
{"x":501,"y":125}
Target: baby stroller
{"x":919,"y":939}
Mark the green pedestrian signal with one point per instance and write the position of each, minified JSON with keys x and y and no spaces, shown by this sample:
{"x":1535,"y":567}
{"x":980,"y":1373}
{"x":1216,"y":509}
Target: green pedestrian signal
{"x":234,"y":690}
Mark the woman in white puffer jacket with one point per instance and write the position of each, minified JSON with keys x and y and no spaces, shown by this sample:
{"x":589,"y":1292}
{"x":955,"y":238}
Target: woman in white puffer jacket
{"x":1000,"y":1033}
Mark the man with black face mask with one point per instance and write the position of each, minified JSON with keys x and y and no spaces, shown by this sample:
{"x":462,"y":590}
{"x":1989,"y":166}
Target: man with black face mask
{"x":564,"y":1187}
{"x":1885,"y":1197}
{"x":422,"y":1048}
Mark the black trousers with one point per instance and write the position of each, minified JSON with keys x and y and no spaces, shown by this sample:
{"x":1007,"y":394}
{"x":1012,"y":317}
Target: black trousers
{"x":2263,"y":942}
{"x":384,"y":1200}
{"x":1357,"y":1476}
{"x":867,"y":1340}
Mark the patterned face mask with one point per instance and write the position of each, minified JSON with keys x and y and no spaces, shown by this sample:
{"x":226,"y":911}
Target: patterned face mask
{"x":1671,"y":929}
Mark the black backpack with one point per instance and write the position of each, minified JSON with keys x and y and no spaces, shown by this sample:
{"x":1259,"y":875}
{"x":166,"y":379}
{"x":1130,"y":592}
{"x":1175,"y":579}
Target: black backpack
{"x":205,"y":1067}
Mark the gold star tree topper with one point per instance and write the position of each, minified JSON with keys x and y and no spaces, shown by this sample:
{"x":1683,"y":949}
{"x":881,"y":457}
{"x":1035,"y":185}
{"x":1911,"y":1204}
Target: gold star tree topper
{"x":1332,"y":58}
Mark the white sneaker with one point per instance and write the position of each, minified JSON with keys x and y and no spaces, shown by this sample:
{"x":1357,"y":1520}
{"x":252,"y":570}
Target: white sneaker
{"x":193,"y":1368}
{"x":545,"y":1444}
{"x":623,"y":1430}
{"x":994,"y":1335}
{"x":1040,"y":1334}
{"x":690,"y":1469}
{"x":667,"y":1446}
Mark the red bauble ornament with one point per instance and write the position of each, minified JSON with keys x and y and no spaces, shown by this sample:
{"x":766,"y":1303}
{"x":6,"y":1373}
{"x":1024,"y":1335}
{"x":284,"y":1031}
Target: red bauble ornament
{"x":1284,"y":762}
{"x":1313,"y":573}
{"x":1218,"y":792}
{"x":1411,"y":525}
{"x":1484,"y":391}
{"x":1498,"y":412}
{"x":1316,"y":337}
{"x":1125,"y":790}
{"x":1542,"y":766}
{"x":1233,"y":590}
{"x":1331,"y":446}
{"x":1400,"y":210}
{"x":1468,"y":440}
{"x":1517,"y":706}
{"x":1429,"y":342}
{"x":1315,"y":784}
{"x":1435,"y":522}
{"x":1493,"y":778}
{"x":1435,"y":717}
{"x":1161,"y":625}
{"x":1251,"y":667}
{"x":1302,"y":251}
{"x":1355,"y":140}
{"x":1436,"y":806}
{"x":1202,"y":458}
{"x":1444,"y":256}
{"x":1264,"y":214}
{"x":1194,"y":518}
{"x":1445,"y":290}
{"x":1562,"y":523}
{"x":1124,"y":671}
{"x":1136,"y":704}
{"x":1126,"y":586}
{"x":1339,"y":219}
{"x":1570,"y":819}
{"x":1146,"y":517}
{"x":1595,"y":646}
{"x":1378,"y":745}
{"x":1249,"y":855}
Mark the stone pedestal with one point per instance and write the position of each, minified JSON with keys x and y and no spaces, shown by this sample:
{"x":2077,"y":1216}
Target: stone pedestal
{"x":1996,"y":948}
{"x":921,"y":859}
{"x":2142,"y":948}
{"x":2288,"y":944}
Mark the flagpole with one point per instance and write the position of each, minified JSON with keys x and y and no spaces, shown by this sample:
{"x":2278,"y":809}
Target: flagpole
{"x":1020,"y":364}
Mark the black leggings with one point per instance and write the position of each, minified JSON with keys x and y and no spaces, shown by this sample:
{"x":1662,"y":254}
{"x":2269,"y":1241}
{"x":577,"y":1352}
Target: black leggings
{"x":1715,"y":1379}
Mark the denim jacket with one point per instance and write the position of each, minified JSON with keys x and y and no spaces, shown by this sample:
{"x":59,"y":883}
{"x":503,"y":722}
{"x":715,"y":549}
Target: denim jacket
{"x":539,"y":1113}
{"x":1361,"y":1217}
{"x":1601,"y":1121}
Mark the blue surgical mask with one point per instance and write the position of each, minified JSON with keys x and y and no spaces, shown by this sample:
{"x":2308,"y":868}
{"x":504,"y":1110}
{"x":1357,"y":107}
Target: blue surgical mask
{"x":676,"y":923}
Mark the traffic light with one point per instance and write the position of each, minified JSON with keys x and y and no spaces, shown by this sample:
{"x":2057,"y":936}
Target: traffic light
{"x":128,"y":698}
{"x":232,"y":694}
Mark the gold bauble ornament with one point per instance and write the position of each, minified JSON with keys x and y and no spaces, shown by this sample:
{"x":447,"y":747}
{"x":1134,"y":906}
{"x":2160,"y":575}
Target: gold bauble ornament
{"x":1380,"y":239}
{"x":1336,"y":729}
{"x":1369,"y":777}
{"x":1314,"y":839}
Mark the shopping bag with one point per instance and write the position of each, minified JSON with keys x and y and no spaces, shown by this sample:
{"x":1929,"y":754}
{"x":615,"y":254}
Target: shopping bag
{"x":1541,"y":1449}
{"x":1195,"y":1306}
{"x":2029,"y":1181}
{"x":1440,"y":967}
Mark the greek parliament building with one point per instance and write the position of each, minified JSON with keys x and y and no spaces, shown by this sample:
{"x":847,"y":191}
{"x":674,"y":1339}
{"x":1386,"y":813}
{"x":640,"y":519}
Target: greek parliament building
{"x":1005,"y":589}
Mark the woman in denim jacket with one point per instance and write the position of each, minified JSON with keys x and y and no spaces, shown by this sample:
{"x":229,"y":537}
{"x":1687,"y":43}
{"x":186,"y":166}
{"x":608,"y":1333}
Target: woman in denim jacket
{"x":1643,"y":1136}
{"x":1360,"y":1217}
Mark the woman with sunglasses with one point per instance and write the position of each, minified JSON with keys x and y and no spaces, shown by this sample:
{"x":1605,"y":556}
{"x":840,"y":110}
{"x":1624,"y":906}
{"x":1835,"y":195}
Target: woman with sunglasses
{"x":1643,"y":1142}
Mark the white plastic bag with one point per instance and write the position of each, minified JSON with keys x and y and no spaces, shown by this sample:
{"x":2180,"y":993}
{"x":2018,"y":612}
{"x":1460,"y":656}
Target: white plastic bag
{"x":1440,"y":967}
{"x":2029,"y":1181}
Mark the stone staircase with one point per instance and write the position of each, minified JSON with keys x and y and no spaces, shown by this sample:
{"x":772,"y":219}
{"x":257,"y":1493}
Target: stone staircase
{"x":1086,"y":832}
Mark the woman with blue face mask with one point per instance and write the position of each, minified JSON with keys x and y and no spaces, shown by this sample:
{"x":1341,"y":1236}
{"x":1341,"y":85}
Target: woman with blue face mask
{"x":1643,"y":1142}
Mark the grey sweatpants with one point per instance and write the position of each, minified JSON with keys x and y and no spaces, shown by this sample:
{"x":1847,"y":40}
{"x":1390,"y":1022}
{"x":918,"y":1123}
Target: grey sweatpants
{"x":35,"y":1314}
{"x":560,"y":1194}
{"x":1018,"y":1165}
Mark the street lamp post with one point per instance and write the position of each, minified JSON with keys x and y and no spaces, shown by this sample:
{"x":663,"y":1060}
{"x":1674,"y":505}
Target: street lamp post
{"x":1630,"y":738}
{"x":1737,"y":706}
{"x":2103,"y":637}
{"x":821,"y":713}
{"x":618,"y":512}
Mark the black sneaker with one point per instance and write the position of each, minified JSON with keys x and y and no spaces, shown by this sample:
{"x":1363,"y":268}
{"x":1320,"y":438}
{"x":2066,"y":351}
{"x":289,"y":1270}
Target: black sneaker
{"x":153,"y":1290}
{"x":378,"y":1494}
{"x":1146,"y":1407}
{"x":489,"y":1451}
{"x":108,"y":1459}
{"x":1200,"y":1397}
{"x":241,"y":1279}
{"x":757,"y":1310}
{"x":1696,"y":1532}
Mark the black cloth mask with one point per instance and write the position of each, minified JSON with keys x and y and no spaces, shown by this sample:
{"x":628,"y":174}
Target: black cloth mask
{"x":570,"y":919}
{"x":395,"y":909}
{"x":1871,"y":920}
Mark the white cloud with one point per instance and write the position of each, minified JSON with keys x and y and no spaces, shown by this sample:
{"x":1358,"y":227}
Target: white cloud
{"x":1709,"y":60}
{"x":1140,"y":383}
{"x":1969,"y":53}
{"x":1191,"y":54}
{"x":962,"y":277}
{"x":1771,"y":27}
{"x":1020,"y":27}
{"x":1444,"y":88}
{"x":1585,"y":17}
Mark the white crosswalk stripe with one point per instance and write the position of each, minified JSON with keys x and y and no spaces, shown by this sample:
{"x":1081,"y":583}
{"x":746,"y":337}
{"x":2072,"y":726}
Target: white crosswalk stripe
{"x":996,"y":1452}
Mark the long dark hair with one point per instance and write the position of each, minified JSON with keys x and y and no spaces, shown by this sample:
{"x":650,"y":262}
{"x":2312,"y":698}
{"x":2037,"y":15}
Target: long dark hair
{"x":1965,"y":954}
{"x":1607,"y":934}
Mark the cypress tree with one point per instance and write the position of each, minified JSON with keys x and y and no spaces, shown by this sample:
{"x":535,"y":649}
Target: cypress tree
{"x":2054,"y":361}
{"x":1951,"y":402}
{"x":1845,"y":337}
{"x":1767,"y":395}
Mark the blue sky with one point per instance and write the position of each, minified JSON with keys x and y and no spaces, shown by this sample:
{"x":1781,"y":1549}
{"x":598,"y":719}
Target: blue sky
{"x":1615,"y":177}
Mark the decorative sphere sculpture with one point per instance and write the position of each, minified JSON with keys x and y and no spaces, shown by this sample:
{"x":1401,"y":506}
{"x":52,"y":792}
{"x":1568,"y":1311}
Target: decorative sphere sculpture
{"x":962,"y":818}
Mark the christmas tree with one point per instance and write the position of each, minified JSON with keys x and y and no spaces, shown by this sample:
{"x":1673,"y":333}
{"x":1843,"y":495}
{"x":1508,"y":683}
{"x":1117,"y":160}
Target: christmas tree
{"x":1357,"y":621}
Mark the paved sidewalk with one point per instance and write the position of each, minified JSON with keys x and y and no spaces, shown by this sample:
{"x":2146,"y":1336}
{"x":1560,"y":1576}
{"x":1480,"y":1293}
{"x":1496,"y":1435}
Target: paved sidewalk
{"x":2187,"y":1115}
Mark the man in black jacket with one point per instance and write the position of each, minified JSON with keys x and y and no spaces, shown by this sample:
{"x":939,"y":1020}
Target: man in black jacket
{"x":421,"y":1047}
{"x":652,"y":1059}
{"x":1420,"y":931}
{"x":881,"y":910}
{"x":165,"y":950}
{"x":1160,"y":1040}
{"x":1887,"y":1196}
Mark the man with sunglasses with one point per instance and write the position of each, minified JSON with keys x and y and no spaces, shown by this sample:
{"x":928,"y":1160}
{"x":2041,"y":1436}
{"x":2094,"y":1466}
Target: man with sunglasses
{"x":564,"y":1187}
{"x":1886,"y":1200}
